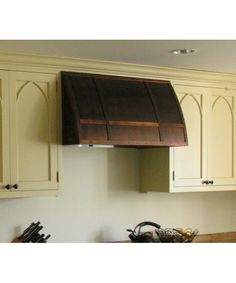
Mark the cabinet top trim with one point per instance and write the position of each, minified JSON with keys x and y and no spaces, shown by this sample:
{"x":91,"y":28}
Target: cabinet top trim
{"x":55,"y":64}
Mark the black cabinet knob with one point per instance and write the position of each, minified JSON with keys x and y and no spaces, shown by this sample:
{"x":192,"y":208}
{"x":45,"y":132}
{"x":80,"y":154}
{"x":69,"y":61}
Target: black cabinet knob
{"x":8,"y":187}
{"x":211,"y":182}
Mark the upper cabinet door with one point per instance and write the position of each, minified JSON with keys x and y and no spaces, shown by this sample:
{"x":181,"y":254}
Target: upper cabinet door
{"x":189,"y":162}
{"x":34,"y":131}
{"x":221,"y":143}
{"x":4,"y":131}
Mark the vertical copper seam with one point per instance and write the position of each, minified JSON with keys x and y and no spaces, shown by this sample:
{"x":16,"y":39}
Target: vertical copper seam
{"x":101,"y":100}
{"x":154,"y":108}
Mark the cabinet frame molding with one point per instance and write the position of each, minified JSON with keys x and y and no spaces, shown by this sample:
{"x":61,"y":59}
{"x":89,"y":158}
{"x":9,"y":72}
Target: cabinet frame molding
{"x":55,"y":64}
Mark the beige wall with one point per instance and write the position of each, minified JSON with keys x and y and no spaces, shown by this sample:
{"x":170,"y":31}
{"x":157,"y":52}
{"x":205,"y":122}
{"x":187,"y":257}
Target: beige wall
{"x":101,"y":200}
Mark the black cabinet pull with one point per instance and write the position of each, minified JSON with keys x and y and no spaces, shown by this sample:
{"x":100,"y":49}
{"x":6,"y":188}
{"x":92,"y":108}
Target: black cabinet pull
{"x":15,"y":186}
{"x":8,"y":187}
{"x":211,"y":182}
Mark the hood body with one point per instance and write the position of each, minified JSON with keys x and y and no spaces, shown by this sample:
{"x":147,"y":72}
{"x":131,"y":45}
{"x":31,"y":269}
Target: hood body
{"x":120,"y":111}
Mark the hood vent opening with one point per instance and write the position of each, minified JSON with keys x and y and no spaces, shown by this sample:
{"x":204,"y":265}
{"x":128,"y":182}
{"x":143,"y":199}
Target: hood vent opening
{"x":119,"y":111}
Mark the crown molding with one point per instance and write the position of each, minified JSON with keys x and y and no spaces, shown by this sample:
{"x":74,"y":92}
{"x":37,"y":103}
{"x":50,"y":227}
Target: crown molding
{"x":56,"y":64}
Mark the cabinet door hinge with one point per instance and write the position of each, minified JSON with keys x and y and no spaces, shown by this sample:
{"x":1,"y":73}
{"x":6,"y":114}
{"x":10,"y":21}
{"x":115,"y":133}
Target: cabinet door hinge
{"x":57,"y":177}
{"x":173,"y":175}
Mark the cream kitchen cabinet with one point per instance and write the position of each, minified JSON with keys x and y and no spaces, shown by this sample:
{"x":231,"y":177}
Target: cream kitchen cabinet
{"x":208,"y":162}
{"x":29,"y":143}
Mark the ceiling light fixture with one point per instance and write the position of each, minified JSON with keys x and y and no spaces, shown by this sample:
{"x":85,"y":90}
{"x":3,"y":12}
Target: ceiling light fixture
{"x":183,"y":51}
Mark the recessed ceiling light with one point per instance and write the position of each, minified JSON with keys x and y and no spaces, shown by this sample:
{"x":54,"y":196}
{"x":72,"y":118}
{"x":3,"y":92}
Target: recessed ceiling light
{"x":183,"y":51}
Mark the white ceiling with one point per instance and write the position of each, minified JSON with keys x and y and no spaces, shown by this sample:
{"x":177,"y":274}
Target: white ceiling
{"x":212,"y":55}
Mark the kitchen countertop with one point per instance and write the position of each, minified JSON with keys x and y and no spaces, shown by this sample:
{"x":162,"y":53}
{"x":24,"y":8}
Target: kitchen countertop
{"x":224,"y":237}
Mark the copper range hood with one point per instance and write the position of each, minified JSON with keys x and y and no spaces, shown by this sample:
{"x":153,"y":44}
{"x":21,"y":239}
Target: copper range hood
{"x":120,"y":111}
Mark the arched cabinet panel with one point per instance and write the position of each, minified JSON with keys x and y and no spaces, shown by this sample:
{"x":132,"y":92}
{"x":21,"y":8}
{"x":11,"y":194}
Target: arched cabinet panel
{"x":189,"y":168}
{"x":221,"y":145}
{"x":33,"y":128}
